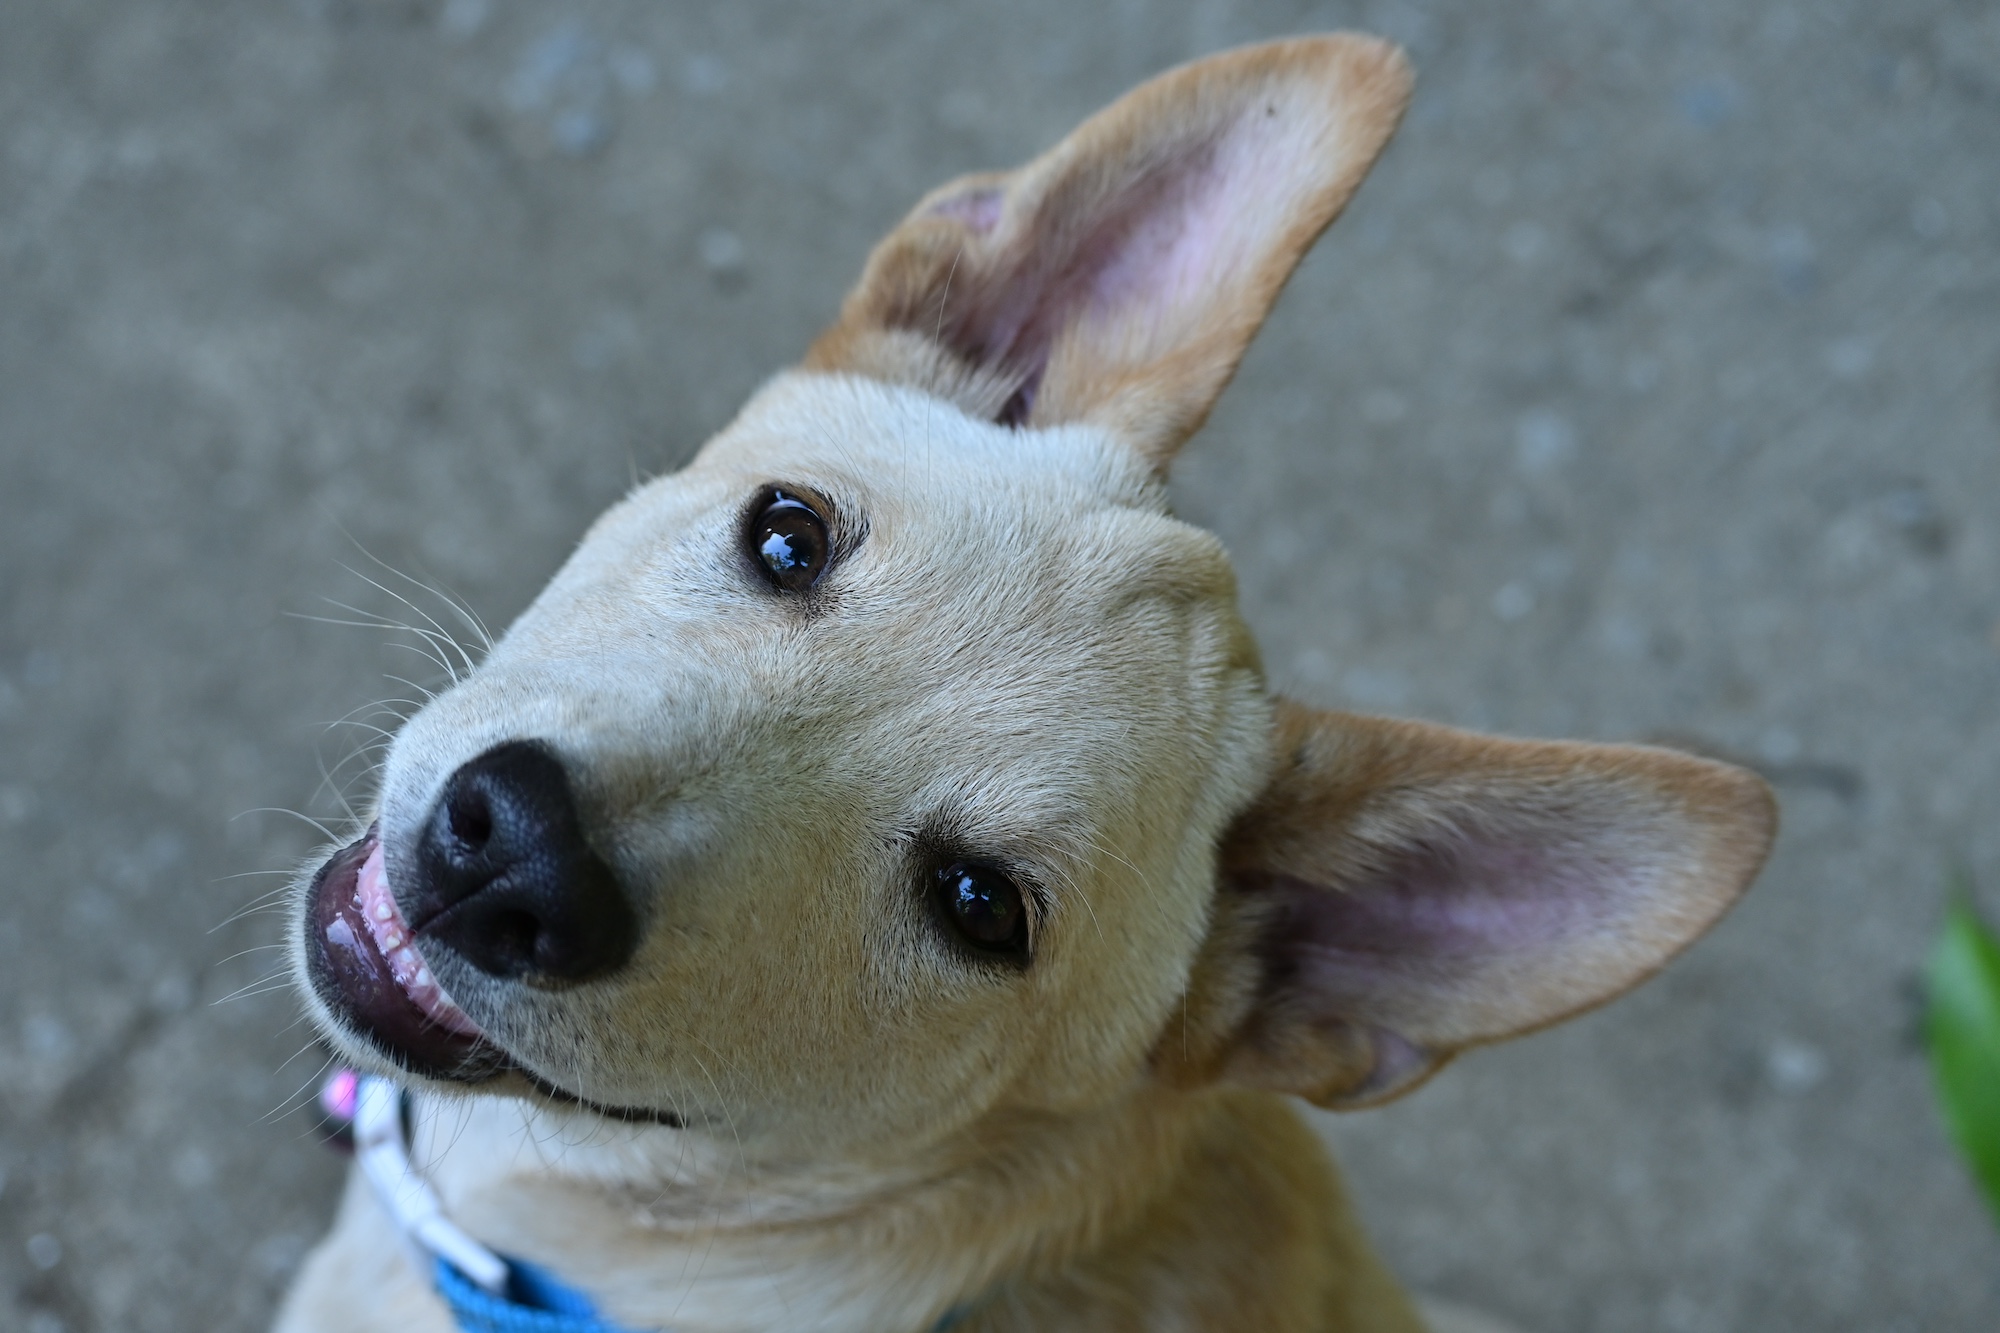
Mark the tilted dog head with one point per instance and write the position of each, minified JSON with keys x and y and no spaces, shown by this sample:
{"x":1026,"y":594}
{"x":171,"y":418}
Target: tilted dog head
{"x":902,"y":761}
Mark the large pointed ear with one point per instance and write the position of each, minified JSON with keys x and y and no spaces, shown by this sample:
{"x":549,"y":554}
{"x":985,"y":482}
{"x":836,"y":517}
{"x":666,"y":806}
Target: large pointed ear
{"x":1118,"y":278}
{"x":1403,"y":891}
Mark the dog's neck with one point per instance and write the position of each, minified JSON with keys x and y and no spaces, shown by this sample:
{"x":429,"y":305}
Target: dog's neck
{"x":680,"y":1226}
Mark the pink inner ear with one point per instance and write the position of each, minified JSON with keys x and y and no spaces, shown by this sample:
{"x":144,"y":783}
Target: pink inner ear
{"x":1147,"y":267}
{"x":1193,"y":240}
{"x":1440,"y":928}
{"x":1170,"y":250}
{"x":977,"y":209}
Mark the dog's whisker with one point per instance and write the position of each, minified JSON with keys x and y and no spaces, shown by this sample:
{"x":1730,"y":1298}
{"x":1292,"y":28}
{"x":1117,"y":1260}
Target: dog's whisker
{"x":331,"y":783}
{"x":266,"y":986}
{"x":330,"y":786}
{"x":437,"y":657}
{"x":428,"y":693}
{"x":435,"y":635}
{"x":429,"y":636}
{"x":377,"y":708}
{"x":308,"y":820}
{"x":436,"y":627}
{"x":305,"y":1091}
{"x":245,"y":913}
{"x":301,"y":1051}
{"x":441,"y":663}
{"x":245,"y":953}
{"x":459,"y":607}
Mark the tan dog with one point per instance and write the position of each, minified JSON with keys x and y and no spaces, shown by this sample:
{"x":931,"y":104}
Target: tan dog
{"x":872,"y":880}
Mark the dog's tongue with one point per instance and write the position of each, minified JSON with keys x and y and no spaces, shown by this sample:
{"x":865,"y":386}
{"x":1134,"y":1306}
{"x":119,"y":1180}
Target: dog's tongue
{"x":392,"y":936}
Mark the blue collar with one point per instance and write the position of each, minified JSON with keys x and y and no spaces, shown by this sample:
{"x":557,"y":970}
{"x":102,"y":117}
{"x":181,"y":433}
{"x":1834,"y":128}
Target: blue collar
{"x":532,"y":1301}
{"x":535,"y":1302}
{"x":487,"y":1292}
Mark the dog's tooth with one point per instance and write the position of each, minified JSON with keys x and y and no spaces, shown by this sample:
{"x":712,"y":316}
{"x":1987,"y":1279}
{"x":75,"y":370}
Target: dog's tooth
{"x":423,"y":977}
{"x":392,"y":938}
{"x":384,"y":912}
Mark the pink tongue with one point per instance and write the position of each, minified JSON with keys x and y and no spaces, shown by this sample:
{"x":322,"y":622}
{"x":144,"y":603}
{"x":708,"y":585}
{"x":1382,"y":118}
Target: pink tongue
{"x":392,"y":936}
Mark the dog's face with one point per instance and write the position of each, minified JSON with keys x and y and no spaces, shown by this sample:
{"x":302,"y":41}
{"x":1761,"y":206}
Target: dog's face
{"x":901,"y":762}
{"x":927,"y":824}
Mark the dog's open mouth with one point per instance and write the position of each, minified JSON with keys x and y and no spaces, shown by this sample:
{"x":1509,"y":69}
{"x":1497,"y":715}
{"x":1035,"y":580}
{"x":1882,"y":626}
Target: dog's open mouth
{"x":363,"y":960}
{"x":365,"y":965}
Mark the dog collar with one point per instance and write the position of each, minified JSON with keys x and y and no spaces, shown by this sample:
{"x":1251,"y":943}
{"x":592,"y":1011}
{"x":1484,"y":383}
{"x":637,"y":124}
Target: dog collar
{"x":487,"y":1292}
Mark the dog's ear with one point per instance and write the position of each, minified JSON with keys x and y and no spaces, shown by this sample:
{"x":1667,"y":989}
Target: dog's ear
{"x":1403,"y":891}
{"x":1118,"y":278}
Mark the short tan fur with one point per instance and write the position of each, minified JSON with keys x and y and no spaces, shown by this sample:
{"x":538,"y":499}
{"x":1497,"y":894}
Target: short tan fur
{"x":1018,"y":649}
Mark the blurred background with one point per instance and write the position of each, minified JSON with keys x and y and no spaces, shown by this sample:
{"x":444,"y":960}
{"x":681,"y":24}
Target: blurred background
{"x":1649,"y":390}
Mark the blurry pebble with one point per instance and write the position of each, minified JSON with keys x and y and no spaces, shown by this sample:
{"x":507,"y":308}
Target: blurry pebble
{"x":1706,"y":103}
{"x":704,"y":75}
{"x":721,"y":252}
{"x":1281,"y":544}
{"x":44,"y":1251}
{"x":464,"y":18}
{"x":1850,"y":358}
{"x":1513,"y":601}
{"x":193,"y":1168}
{"x":557,"y":55}
{"x":1793,"y":257}
{"x":634,"y":70}
{"x":1794,"y":1066}
{"x":1313,"y":667}
{"x":171,"y":994}
{"x":1779,"y":745}
{"x":1624,"y":635}
{"x":42,"y":669}
{"x":46,"y":1037}
{"x":1781,"y":26}
{"x":578,"y":131}
{"x":1642,"y":374}
{"x":1383,"y":407}
{"x":1913,"y":512}
{"x":17,"y":804}
{"x":1375,"y":687}
{"x":278,"y":1256}
{"x":1543,"y":440}
{"x":1525,"y":242}
{"x":1928,"y":219}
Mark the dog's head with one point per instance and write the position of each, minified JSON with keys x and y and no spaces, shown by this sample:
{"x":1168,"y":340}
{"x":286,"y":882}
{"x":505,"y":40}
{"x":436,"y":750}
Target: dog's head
{"x":901,"y":761}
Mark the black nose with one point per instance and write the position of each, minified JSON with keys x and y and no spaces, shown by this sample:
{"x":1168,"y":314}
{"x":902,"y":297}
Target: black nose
{"x":505,"y":878}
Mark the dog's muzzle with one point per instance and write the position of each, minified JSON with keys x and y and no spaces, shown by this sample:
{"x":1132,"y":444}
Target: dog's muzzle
{"x":364,"y":963}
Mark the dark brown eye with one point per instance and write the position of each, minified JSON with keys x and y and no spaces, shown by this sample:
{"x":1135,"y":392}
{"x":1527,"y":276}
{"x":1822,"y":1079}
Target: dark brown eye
{"x":984,"y":906}
{"x":788,"y":537}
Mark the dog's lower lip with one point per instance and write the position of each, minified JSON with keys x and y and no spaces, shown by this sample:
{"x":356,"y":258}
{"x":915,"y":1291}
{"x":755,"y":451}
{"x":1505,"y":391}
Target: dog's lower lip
{"x":355,"y":976}
{"x":394,"y":1003}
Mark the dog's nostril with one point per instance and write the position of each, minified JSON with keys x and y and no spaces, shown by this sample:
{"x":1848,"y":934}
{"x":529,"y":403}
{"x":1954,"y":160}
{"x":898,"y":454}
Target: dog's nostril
{"x":505,"y":877}
{"x":471,"y":818}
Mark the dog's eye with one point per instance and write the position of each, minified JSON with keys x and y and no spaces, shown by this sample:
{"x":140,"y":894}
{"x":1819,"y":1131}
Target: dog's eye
{"x":788,"y":537}
{"x":984,"y":906}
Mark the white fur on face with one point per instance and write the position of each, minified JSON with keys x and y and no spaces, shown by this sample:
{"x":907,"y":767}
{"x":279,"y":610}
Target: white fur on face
{"x":1020,"y":656}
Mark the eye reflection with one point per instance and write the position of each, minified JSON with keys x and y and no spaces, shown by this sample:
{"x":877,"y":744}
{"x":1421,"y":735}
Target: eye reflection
{"x":984,"y":906}
{"x":789,"y":540}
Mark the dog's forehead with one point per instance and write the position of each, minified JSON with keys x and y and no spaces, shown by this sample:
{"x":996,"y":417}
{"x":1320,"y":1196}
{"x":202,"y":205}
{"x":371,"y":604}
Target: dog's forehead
{"x":904,"y":457}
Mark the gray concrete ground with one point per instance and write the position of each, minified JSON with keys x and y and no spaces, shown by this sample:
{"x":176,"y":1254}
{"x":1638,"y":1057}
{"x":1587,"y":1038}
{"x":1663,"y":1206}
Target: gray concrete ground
{"x":1651,"y":389}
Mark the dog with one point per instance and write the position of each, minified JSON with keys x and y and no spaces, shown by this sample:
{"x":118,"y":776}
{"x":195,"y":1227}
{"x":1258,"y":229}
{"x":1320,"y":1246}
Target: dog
{"x":872,"y":885}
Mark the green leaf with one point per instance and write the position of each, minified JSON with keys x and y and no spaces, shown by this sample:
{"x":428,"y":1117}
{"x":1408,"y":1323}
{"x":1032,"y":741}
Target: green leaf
{"x":1962,"y":1029}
